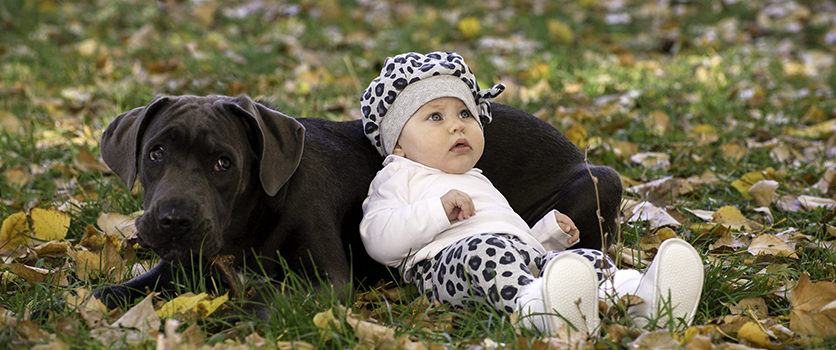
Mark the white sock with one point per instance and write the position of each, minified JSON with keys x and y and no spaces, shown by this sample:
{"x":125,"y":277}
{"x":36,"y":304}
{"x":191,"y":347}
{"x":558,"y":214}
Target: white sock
{"x":531,"y":308}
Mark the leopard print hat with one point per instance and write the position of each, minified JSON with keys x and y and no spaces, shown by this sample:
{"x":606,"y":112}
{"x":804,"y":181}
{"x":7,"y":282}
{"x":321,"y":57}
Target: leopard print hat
{"x":408,"y":81}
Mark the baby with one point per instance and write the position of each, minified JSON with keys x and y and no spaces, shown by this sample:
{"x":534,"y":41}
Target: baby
{"x":434,"y":216}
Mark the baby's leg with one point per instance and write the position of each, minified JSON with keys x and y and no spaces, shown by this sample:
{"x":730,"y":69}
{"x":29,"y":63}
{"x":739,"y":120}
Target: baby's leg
{"x":487,"y":266}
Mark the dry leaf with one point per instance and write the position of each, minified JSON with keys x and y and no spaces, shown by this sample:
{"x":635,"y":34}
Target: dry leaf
{"x":755,"y":305}
{"x":730,"y":215}
{"x":756,"y":334}
{"x":705,"y":133}
{"x":324,"y":321}
{"x":577,"y":134}
{"x":28,"y":273}
{"x":141,"y":317}
{"x":660,"y":339}
{"x":370,"y":333}
{"x":746,"y":181}
{"x":728,"y":242}
{"x":52,"y":249}
{"x":763,"y":192}
{"x":189,"y":304}
{"x":13,"y":232}
{"x":560,"y":32}
{"x":49,"y":224}
{"x":788,"y":203}
{"x":812,"y":311}
{"x":658,"y":122}
{"x":767,"y":244}
{"x":652,"y":160}
{"x":645,"y":211}
{"x":810,"y":202}
{"x":114,"y":224}
{"x":91,"y":309}
{"x":827,"y":181}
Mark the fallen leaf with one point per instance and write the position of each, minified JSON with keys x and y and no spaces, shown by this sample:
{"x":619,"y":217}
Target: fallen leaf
{"x":191,"y":305}
{"x":756,"y":334}
{"x":49,"y":224}
{"x":730,"y":215}
{"x":728,"y":242}
{"x":812,"y":310}
{"x":746,"y":181}
{"x":14,"y":232}
{"x":469,"y":27}
{"x":52,"y":249}
{"x":661,"y":339}
{"x":577,"y":134}
{"x":767,"y":244}
{"x":114,"y":224}
{"x":755,"y":305}
{"x":763,"y":192}
{"x":560,"y":32}
{"x":652,"y":160}
{"x":788,"y":203}
{"x":370,"y":333}
{"x":645,"y":211}
{"x":827,"y":181}
{"x":141,"y":317}
{"x":29,"y":330}
{"x":324,"y":322}
{"x":658,"y":122}
{"x":811,"y":202}
{"x":91,"y":309}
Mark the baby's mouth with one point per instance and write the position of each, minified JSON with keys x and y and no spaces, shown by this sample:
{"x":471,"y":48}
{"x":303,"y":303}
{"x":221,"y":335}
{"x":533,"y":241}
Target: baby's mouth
{"x":461,"y":146}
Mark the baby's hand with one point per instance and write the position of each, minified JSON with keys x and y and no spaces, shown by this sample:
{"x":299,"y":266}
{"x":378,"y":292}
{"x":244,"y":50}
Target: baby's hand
{"x":458,"y":205}
{"x":567,"y":225}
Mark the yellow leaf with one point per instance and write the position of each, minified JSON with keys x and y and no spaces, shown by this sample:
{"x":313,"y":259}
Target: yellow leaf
{"x":324,"y":321}
{"x":13,"y":232}
{"x":577,"y":134}
{"x":818,"y":131}
{"x":469,"y":27}
{"x":17,"y":177}
{"x":704,"y":133}
{"x":189,"y":304}
{"x":746,"y":181}
{"x":812,"y":311}
{"x":753,"y":332}
{"x":49,"y":224}
{"x":730,"y":215}
{"x":560,"y":32}
{"x":767,"y":244}
{"x":658,"y":122}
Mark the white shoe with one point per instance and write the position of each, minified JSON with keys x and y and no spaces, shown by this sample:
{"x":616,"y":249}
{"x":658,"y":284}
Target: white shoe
{"x":570,"y":293}
{"x":671,"y":286}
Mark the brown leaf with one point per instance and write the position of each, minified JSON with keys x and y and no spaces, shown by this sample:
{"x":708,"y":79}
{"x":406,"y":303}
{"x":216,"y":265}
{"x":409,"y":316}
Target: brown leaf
{"x":813,"y":310}
{"x":731,"y":216}
{"x":114,"y":224}
{"x":29,"y":330}
{"x":763,"y":192}
{"x":755,"y":305}
{"x":661,"y":339}
{"x":767,"y":244}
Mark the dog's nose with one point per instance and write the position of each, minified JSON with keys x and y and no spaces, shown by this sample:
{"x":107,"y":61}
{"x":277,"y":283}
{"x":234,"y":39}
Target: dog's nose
{"x":174,"y":221}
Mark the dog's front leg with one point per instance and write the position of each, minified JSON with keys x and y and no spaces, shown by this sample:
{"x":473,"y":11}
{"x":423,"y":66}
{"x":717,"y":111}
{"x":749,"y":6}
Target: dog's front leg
{"x":158,"y":279}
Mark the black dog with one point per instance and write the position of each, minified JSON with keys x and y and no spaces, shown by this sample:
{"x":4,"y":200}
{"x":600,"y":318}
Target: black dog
{"x":229,"y":176}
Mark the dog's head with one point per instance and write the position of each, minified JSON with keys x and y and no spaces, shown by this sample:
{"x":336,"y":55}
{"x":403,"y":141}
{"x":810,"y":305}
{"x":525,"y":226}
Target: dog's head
{"x":203,"y":163}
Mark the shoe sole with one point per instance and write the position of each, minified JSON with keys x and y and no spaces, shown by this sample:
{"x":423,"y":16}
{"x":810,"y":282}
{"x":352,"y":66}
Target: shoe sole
{"x":679,"y":274}
{"x":561,"y":294}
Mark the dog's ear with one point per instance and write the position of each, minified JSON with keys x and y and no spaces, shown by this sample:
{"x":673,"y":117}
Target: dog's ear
{"x":281,"y":140}
{"x":120,"y":140}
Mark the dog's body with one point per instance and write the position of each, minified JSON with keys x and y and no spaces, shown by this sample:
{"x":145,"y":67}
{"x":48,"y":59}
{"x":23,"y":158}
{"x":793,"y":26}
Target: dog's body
{"x":229,"y":176}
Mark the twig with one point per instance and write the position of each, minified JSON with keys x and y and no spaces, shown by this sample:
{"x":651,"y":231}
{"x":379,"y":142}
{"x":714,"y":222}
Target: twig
{"x":597,"y":200}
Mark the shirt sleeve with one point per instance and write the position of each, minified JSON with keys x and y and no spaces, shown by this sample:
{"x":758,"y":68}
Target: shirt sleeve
{"x":392,"y":228}
{"x":549,"y":233}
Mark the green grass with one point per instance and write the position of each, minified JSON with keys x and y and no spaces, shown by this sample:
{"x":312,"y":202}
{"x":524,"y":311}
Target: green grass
{"x":68,"y":68}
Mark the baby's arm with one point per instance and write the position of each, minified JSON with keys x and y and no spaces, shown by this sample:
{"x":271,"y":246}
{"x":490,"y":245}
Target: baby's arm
{"x":556,"y":231}
{"x":392,"y":228}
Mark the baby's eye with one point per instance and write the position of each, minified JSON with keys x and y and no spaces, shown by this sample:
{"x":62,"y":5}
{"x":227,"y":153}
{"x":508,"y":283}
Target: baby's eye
{"x":434,"y":117}
{"x":465,"y":114}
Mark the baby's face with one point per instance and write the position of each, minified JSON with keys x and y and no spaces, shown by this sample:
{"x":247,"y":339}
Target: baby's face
{"x":442,"y":134}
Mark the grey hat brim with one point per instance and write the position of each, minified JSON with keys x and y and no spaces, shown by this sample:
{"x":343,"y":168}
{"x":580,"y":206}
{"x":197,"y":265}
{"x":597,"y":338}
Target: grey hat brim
{"x":415,"y":95}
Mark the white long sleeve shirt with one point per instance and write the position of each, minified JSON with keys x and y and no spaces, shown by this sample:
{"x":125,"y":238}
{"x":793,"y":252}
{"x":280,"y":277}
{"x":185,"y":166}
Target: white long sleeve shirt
{"x":404,"y":221}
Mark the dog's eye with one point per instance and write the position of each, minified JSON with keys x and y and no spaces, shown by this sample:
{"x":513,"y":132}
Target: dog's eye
{"x":223,"y":164}
{"x":156,"y":153}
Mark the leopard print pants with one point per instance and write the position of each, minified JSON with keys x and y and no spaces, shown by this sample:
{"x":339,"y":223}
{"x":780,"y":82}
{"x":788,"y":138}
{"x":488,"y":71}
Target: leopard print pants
{"x":490,"y":266}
